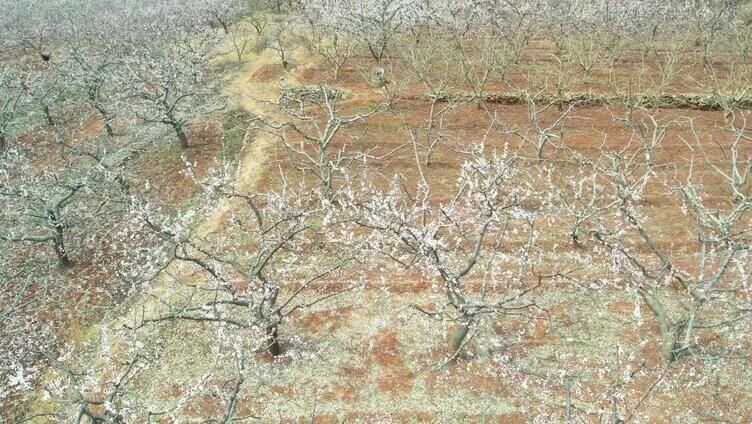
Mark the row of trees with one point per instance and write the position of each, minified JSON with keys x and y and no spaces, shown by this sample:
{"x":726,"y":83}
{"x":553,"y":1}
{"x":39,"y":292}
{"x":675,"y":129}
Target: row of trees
{"x":587,"y":36}
{"x":88,"y":57}
{"x":157,"y":73}
{"x":599,"y":206}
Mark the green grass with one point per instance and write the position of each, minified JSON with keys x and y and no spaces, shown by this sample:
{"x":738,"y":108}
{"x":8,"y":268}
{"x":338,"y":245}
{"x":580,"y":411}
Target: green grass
{"x":233,"y":143}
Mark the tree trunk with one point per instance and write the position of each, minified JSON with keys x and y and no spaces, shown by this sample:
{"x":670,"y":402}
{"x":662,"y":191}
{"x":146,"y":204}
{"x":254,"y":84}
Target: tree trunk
{"x":60,"y":251}
{"x":668,"y":347}
{"x":672,"y":347}
{"x":123,"y":183}
{"x":325,"y":173}
{"x":182,"y":138}
{"x":575,"y":234}
{"x":224,"y":26}
{"x":667,"y":336}
{"x":272,"y":334}
{"x":377,"y":51}
{"x":458,"y":338}
{"x":48,"y":115}
{"x":568,"y":399}
{"x":329,"y":188}
{"x":539,"y":151}
{"x":105,"y":118}
{"x":58,"y":242}
{"x":108,"y":128}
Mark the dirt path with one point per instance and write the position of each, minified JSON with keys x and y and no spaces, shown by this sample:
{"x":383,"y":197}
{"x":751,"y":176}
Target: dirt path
{"x":250,"y":91}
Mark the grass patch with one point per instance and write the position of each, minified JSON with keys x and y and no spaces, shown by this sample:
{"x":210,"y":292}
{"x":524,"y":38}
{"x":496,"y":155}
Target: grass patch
{"x":233,"y":143}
